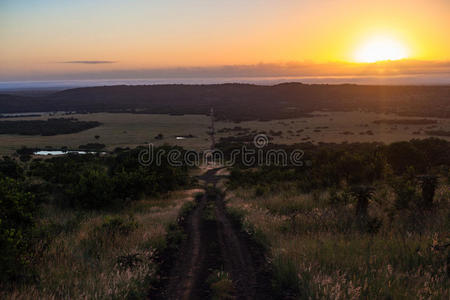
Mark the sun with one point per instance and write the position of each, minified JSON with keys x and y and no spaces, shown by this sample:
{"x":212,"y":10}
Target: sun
{"x":380,"y":48}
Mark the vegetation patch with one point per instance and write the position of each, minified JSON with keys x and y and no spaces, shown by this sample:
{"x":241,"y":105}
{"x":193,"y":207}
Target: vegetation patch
{"x":84,"y":226}
{"x":406,"y":121}
{"x":438,"y":132}
{"x":52,"y":126}
{"x":382,"y":234}
{"x":221,"y":285}
{"x":92,"y":146}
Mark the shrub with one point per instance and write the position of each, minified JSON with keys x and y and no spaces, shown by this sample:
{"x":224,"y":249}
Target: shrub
{"x":129,"y":261}
{"x":114,"y":225}
{"x":93,"y":190}
{"x":286,"y":283}
{"x":17,"y":209}
{"x":397,"y":158}
{"x":128,"y":185}
{"x":52,"y":126}
{"x":198,"y":197}
{"x":10,"y":168}
{"x":221,"y":285}
{"x":260,"y":191}
{"x":405,"y":193}
{"x":428,"y":184}
{"x":362,"y":194}
{"x":339,"y":198}
{"x":92,"y":146}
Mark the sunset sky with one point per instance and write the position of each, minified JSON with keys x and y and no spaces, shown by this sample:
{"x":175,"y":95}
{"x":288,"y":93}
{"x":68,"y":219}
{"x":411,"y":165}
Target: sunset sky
{"x":83,"y":39}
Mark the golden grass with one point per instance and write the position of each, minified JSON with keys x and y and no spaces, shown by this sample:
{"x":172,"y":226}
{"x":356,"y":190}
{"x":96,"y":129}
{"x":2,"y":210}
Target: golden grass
{"x":333,"y":261}
{"x":82,"y":262}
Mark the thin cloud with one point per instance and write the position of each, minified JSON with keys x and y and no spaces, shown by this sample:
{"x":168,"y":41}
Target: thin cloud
{"x":429,"y":71}
{"x":89,"y":62}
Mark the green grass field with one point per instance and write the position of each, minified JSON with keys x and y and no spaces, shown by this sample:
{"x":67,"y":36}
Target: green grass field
{"x":130,"y":130}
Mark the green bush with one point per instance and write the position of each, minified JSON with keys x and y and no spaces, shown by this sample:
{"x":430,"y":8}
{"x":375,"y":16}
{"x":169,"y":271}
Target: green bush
{"x":114,"y":225}
{"x":405,"y":194}
{"x":339,"y":198}
{"x":17,"y":210}
{"x":285,"y":282}
{"x":93,"y":190}
{"x":428,"y":183}
{"x":96,"y":182}
{"x":10,"y":168}
{"x":221,"y":285}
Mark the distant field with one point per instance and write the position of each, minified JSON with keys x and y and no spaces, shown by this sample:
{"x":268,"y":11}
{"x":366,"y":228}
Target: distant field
{"x":338,"y":127}
{"x":119,"y":130}
{"x":130,"y":130}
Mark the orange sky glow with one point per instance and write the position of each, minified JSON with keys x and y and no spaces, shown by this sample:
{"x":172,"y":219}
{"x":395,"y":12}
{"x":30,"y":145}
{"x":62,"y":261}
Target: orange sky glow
{"x":41,"y":39}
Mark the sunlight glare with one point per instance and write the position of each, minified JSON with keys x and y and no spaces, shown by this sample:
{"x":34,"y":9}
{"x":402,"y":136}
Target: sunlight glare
{"x":380,"y":49}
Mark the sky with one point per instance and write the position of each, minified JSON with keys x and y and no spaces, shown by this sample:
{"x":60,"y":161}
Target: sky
{"x":66,"y":39}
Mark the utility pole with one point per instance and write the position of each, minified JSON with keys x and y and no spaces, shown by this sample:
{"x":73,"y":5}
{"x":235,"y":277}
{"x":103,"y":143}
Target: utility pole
{"x":212,"y":132}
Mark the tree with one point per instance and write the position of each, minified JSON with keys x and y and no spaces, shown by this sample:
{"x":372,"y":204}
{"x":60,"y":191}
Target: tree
{"x":402,"y":155}
{"x":93,"y":190}
{"x":428,"y":184}
{"x":17,"y":209}
{"x":363,"y":194}
{"x":10,"y":168}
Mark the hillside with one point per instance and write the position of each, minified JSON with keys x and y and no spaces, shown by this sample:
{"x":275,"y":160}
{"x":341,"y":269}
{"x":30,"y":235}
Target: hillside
{"x":240,"y":101}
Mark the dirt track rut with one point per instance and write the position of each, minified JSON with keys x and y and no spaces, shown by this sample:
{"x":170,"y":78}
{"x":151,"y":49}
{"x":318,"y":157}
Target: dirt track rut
{"x":216,"y":244}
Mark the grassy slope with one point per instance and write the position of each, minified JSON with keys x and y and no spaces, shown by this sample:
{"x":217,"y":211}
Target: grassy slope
{"x":88,"y":259}
{"x":316,"y":251}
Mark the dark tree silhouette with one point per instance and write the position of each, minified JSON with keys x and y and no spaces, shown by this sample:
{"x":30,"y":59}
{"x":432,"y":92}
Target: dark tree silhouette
{"x":428,"y":184}
{"x":363,"y":194}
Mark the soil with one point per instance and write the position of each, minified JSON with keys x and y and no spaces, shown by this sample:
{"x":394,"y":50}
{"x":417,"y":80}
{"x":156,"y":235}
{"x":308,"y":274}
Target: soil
{"x":216,"y":243}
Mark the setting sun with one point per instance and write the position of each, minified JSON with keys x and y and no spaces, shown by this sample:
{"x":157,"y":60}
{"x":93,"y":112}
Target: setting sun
{"x":379,"y":49}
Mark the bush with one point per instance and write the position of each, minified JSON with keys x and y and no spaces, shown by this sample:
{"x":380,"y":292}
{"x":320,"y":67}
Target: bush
{"x":221,"y":285}
{"x":10,"y":168}
{"x":17,"y":209}
{"x":92,"y":146}
{"x":339,"y":198}
{"x":48,"y":127}
{"x":286,"y":283}
{"x":363,"y":195}
{"x":260,"y":191}
{"x":428,"y":184}
{"x":405,"y":194}
{"x":93,"y":190}
{"x":97,"y":182}
{"x":128,"y":185}
{"x":402,"y":155}
{"x":118,"y":226}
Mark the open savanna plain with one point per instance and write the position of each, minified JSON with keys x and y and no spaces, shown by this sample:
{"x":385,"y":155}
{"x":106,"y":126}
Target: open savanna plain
{"x":131,"y":130}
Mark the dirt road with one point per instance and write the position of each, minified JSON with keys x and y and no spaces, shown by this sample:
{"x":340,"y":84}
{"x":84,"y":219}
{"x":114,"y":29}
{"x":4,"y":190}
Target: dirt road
{"x":215,"y":243}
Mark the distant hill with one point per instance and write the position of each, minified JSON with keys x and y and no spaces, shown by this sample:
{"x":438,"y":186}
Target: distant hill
{"x":240,"y":101}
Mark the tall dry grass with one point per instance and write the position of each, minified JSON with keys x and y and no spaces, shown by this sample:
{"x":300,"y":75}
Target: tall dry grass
{"x":98,"y":255}
{"x":318,"y":252}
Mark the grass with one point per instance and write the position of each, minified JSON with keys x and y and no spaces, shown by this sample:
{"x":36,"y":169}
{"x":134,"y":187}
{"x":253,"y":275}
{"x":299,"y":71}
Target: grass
{"x":120,"y":130}
{"x":101,"y":254}
{"x":318,"y":252}
{"x":131,"y":130}
{"x":221,"y":285}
